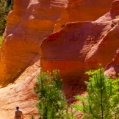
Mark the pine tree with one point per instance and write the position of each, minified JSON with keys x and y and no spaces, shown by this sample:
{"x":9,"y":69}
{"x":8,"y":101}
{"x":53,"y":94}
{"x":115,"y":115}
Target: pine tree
{"x":52,"y":103}
{"x":102,"y":99}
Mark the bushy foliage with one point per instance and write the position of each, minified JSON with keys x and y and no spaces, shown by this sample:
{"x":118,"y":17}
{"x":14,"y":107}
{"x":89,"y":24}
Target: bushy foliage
{"x":52,"y":103}
{"x":5,"y":7}
{"x":102,"y":99}
{"x":1,"y":37}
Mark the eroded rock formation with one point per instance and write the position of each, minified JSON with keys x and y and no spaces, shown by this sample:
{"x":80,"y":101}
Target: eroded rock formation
{"x":83,"y":10}
{"x":112,"y":68}
{"x":21,"y":93}
{"x":78,"y":46}
{"x":81,"y":46}
{"x":31,"y":21}
{"x":28,"y":24}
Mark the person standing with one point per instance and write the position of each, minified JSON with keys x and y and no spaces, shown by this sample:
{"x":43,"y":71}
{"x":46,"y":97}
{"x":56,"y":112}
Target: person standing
{"x":18,"y":114}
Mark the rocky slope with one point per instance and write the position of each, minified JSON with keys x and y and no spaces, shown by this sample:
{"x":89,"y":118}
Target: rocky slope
{"x":80,"y":45}
{"x":21,"y":93}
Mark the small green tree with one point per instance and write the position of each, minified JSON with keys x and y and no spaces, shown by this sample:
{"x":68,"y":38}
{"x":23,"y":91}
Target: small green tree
{"x":52,"y":103}
{"x":102,"y":98}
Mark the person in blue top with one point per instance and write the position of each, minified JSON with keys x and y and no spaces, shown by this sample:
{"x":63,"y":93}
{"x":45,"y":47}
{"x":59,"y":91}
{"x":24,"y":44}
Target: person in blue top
{"x":18,"y":114}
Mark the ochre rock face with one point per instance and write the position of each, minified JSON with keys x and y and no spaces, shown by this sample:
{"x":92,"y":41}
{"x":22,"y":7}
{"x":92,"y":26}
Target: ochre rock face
{"x":21,"y":94}
{"x":79,"y":47}
{"x":114,"y":7}
{"x":83,"y":10}
{"x":76,"y":47}
{"x":112,"y":68}
{"x":28,"y":24}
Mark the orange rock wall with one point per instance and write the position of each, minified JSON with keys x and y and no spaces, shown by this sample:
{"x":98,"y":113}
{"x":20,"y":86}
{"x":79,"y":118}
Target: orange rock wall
{"x":31,"y":21}
{"x":83,"y":10}
{"x":76,"y":47}
{"x":27,"y":25}
{"x":81,"y":46}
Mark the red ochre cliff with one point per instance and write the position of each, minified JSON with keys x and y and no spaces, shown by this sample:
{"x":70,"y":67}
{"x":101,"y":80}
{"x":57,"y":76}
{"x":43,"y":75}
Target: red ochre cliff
{"x":72,"y":36}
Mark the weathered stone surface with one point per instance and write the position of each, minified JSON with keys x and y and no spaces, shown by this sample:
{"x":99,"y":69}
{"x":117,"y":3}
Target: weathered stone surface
{"x":27,"y":25}
{"x":30,"y":22}
{"x":21,"y":93}
{"x":79,"y":47}
{"x":83,"y":10}
{"x":18,"y":95}
{"x":112,"y":68}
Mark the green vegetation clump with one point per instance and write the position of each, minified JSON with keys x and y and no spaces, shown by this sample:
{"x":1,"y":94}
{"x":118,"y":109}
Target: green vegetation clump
{"x":52,"y":103}
{"x":102,"y":99}
{"x":1,"y":37}
{"x":100,"y":102}
{"x":5,"y":7}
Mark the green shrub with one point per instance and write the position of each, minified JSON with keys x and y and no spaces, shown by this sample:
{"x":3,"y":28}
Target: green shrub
{"x":102,"y":99}
{"x":1,"y":37}
{"x":5,"y":7}
{"x":52,"y":103}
